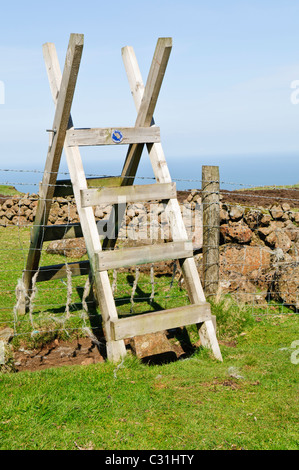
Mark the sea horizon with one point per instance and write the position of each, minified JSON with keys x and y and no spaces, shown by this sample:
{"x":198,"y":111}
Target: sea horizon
{"x":236,"y":172}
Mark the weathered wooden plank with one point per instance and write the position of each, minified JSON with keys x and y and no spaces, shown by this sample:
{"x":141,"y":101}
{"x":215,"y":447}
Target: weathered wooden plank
{"x":127,"y":194}
{"x":157,"y":321}
{"x":65,"y":188}
{"x":196,"y":294}
{"x":60,"y":125}
{"x":115,"y":349}
{"x":113,"y":259}
{"x":63,"y":231}
{"x":113,"y":136}
{"x":104,"y":182}
{"x":211,"y":223}
{"x":148,"y":102}
{"x":66,"y":231}
{"x":144,"y":117}
{"x":59,"y":271}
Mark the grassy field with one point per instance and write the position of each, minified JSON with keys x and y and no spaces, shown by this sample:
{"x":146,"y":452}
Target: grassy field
{"x":48,"y":319}
{"x":7,"y":190}
{"x":258,"y":188}
{"x":249,"y":401}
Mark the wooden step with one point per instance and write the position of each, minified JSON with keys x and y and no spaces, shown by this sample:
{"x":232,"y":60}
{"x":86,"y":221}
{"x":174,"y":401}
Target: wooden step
{"x":127,"y":194}
{"x":66,"y":231}
{"x":153,"y":322}
{"x":61,"y":232}
{"x":58,"y":271}
{"x":65,"y":188}
{"x":113,"y":259}
{"x":113,"y":136}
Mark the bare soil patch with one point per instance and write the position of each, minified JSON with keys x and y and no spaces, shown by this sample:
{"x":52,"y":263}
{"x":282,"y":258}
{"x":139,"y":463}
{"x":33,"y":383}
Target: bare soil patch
{"x":262,"y":197}
{"x":255,"y":198}
{"x":58,"y":353}
{"x":84,"y":351}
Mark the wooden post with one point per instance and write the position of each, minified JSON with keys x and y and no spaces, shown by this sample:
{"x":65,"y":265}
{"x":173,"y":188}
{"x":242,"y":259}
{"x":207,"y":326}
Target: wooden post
{"x":211,"y":222}
{"x":60,"y":126}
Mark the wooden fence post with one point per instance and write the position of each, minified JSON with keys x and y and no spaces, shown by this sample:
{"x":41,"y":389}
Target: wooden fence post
{"x":211,"y":222}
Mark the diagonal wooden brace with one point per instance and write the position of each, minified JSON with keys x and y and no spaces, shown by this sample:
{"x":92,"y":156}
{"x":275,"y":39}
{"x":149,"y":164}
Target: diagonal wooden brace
{"x":148,"y":104}
{"x":144,"y":119}
{"x":206,"y":329}
{"x":115,"y":349}
{"x":60,"y":126}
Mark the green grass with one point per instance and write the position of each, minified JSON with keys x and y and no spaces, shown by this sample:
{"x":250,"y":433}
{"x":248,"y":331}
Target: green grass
{"x":190,"y":404}
{"x":7,"y":190}
{"x":258,"y":188}
{"x":248,"y":401}
{"x":48,"y":316}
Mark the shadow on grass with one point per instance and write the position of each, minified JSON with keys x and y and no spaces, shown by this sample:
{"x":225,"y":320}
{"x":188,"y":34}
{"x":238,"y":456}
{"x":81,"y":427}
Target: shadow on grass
{"x":139,"y":297}
{"x":95,"y":319}
{"x":96,"y":324}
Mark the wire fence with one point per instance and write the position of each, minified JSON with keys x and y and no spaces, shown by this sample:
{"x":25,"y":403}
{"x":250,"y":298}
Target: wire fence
{"x":258,"y":255}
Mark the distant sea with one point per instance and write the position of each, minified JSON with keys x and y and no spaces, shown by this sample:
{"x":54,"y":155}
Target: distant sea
{"x":236,"y":172}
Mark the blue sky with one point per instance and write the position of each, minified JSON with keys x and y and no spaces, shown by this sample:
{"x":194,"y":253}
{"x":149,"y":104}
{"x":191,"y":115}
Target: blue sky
{"x":226,"y":94}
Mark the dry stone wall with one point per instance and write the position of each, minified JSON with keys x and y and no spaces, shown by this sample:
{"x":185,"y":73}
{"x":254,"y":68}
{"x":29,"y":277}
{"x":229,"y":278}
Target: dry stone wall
{"x":259,"y":247}
{"x":141,"y":222}
{"x":259,"y":253}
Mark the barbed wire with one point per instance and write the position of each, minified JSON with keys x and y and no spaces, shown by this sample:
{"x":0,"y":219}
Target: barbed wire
{"x":97,"y":175}
{"x":127,"y":293}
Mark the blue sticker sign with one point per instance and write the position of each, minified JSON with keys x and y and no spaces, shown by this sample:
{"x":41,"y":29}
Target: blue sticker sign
{"x":117,"y":136}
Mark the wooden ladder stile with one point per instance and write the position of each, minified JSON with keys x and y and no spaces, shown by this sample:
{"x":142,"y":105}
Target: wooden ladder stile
{"x":115,"y":191}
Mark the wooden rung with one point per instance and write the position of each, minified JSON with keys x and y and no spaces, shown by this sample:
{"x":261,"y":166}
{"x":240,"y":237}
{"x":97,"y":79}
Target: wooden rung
{"x":61,"y":232}
{"x":104,"y":181}
{"x":65,"y":188}
{"x":58,"y":271}
{"x":113,"y":136}
{"x":127,"y":194}
{"x":66,"y":231}
{"x":113,"y":259}
{"x":153,"y":322}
